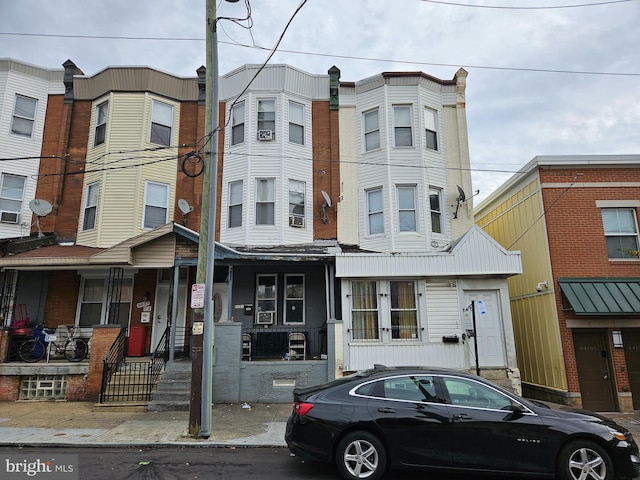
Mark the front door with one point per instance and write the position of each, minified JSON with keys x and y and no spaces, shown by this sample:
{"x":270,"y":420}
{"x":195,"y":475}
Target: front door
{"x":631,"y":340}
{"x":594,"y":371}
{"x":489,"y":334}
{"x":161,"y":314}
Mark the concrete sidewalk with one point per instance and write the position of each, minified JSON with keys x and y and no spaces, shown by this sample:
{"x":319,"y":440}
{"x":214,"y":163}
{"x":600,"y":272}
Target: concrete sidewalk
{"x":90,"y":425}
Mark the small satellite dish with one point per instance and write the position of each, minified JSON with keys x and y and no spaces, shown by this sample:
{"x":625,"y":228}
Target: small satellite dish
{"x":184,"y":206}
{"x":40,"y":207}
{"x":461,"y":196}
{"x":327,"y":199}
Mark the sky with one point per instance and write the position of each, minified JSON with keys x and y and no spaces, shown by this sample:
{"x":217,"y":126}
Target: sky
{"x":546,"y":77}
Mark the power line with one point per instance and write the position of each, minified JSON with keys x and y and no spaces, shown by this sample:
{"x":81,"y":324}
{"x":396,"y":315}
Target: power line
{"x":553,"y":7}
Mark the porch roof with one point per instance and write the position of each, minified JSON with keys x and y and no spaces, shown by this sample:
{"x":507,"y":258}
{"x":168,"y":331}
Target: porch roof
{"x":602,"y":296}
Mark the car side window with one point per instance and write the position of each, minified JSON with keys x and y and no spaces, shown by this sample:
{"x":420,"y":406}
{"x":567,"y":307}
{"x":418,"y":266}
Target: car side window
{"x":415,"y":388}
{"x":467,"y":393}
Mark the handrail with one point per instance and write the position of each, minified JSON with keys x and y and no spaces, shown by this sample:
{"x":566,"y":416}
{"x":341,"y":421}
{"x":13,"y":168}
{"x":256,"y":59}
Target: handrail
{"x":112,"y":359}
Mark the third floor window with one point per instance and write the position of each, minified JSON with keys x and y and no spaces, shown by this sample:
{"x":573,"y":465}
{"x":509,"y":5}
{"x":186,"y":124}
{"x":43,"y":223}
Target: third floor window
{"x":161,"y":123}
{"x":102,"y":113}
{"x":237,"y":123}
{"x":296,"y":123}
{"x":402,"y":126}
{"x":266,"y":118}
{"x":24,"y":116}
{"x":371,"y":130}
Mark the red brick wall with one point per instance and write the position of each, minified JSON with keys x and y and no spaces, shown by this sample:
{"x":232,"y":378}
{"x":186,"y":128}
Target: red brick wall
{"x":577,"y":243}
{"x":62,"y":298}
{"x":9,"y":388}
{"x":101,"y":341}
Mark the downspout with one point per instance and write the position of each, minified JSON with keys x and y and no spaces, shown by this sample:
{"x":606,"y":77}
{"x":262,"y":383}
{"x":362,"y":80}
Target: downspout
{"x":174,"y":312}
{"x":229,"y":293}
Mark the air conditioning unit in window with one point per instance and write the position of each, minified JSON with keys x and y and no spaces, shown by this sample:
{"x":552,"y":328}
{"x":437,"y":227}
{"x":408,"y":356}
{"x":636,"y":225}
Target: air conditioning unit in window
{"x":9,"y":217}
{"x":266,"y":318}
{"x":265,"y":135}
{"x":296,"y":221}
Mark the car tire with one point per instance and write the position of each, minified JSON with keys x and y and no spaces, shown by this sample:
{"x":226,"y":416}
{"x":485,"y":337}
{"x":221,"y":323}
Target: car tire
{"x":361,"y":455}
{"x":581,"y":457}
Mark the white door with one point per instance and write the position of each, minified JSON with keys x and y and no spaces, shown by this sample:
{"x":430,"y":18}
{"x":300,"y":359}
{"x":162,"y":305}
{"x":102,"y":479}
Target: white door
{"x":489,"y":333}
{"x":161,"y":315}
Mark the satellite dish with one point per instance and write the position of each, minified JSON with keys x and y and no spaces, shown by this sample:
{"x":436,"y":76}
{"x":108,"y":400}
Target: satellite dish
{"x":461,"y":196}
{"x":184,"y":206}
{"x":327,"y":199}
{"x":40,"y":207}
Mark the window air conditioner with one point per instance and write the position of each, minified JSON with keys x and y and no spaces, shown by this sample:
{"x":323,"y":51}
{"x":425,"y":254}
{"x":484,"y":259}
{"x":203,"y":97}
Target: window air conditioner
{"x":266,"y":318}
{"x":265,"y":135}
{"x":296,"y":221}
{"x":9,"y":217}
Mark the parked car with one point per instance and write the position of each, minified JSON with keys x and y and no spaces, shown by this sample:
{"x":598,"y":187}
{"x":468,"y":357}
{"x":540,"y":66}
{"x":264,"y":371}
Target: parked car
{"x":414,"y":417}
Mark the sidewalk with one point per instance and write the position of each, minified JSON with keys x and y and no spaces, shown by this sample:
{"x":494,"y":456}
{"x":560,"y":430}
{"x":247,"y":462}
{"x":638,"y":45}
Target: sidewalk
{"x":89,"y":425}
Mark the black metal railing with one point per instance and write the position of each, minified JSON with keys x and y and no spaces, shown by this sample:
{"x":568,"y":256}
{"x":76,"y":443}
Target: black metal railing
{"x":284,"y":342}
{"x":112,"y":360}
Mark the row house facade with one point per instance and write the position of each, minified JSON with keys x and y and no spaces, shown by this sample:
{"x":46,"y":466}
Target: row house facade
{"x":576,"y":307}
{"x":343,"y":235}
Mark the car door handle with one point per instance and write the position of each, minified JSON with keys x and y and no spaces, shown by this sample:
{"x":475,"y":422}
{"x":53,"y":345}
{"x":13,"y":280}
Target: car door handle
{"x":386,"y":410}
{"x":462,"y":416}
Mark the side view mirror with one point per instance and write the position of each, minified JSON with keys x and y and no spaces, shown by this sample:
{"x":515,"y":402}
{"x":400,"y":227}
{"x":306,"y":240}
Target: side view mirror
{"x":517,"y":408}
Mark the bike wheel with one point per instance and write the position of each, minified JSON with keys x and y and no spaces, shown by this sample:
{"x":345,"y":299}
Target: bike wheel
{"x":76,"y":349}
{"x":32,"y":350}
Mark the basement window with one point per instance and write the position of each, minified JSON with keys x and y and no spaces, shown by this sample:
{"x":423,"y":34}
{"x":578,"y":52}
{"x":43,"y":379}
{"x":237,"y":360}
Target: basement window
{"x":38,"y":387}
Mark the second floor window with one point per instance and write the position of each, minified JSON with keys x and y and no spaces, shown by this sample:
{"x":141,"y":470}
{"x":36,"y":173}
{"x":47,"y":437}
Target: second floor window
{"x":102,"y":112}
{"x":375,"y":211}
{"x":267,"y":117}
{"x":407,"y":208}
{"x":237,"y":123}
{"x":161,"y":123}
{"x":296,"y":123}
{"x":296,"y":203}
{"x":265,"y":201}
{"x":371,"y":130}
{"x":430,"y":122}
{"x":402,"y":126}
{"x":235,"y":204}
{"x":24,"y":116}
{"x":156,"y":201}
{"x":11,"y":196}
{"x":621,"y":232}
{"x":90,"y":207}
{"x":436,"y":210}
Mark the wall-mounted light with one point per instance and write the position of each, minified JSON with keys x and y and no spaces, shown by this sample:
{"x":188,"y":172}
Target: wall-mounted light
{"x":544,"y":284}
{"x":616,"y":336}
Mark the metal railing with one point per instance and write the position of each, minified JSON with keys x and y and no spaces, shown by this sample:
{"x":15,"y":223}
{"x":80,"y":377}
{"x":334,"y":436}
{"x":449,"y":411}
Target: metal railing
{"x":284,"y":342}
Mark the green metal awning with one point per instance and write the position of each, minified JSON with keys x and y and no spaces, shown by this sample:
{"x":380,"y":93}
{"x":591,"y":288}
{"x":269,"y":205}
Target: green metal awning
{"x":602,"y":296}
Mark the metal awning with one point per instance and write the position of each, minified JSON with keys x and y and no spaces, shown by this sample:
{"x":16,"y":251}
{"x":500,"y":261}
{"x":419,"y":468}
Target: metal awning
{"x":602,"y":296}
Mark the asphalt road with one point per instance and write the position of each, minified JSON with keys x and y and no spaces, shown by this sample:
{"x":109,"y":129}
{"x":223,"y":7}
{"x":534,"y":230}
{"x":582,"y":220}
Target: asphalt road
{"x":204,"y":463}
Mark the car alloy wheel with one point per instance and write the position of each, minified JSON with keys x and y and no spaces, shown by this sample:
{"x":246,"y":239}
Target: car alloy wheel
{"x":361,"y":455}
{"x":584,"y":460}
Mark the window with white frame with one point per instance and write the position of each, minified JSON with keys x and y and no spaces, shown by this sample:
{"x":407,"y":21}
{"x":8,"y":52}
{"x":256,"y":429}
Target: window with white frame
{"x":364,"y":310}
{"x":156,"y":202}
{"x":102,"y":113}
{"x":294,"y":299}
{"x":296,"y":203}
{"x":11,"y":197}
{"x":265,"y":201}
{"x":266,"y":119}
{"x":430,"y":123}
{"x":161,"y":123}
{"x":235,"y":204}
{"x":24,"y":116}
{"x":296,"y":123}
{"x":237,"y":123}
{"x":266,"y":299}
{"x":375,"y":211}
{"x":407,"y":208}
{"x":621,"y":232}
{"x":404,"y":310}
{"x":435,"y":205}
{"x":90,"y":206}
{"x":403,"y":132}
{"x":371,"y":130}
{"x":93,"y":302}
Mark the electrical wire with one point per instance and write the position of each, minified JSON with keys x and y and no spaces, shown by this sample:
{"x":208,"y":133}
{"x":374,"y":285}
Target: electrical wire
{"x":553,"y":7}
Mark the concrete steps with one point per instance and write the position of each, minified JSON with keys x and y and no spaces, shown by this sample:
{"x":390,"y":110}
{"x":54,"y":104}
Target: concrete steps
{"x":173,"y":391}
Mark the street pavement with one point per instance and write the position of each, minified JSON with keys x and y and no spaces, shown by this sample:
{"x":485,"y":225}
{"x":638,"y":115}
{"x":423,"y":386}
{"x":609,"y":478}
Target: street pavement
{"x":49,"y":423}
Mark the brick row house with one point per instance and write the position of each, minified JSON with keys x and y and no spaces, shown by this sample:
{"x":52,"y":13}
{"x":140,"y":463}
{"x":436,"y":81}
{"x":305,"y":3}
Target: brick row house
{"x":576,"y":307}
{"x":343,"y":238}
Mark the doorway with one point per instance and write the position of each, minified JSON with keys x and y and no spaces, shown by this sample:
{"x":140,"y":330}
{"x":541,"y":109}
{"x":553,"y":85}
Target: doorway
{"x":595,"y":374}
{"x":161,"y":315}
{"x":489,"y":333}
{"x":631,"y":341}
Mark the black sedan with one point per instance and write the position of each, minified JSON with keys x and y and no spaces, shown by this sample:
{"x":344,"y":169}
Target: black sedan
{"x":413,"y":417}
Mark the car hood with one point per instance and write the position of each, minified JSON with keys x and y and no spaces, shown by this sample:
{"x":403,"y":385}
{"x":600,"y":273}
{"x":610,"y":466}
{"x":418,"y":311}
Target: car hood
{"x":577,"y":415}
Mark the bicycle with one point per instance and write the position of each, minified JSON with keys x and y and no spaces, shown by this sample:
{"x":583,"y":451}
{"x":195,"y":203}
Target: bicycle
{"x":46,"y":341}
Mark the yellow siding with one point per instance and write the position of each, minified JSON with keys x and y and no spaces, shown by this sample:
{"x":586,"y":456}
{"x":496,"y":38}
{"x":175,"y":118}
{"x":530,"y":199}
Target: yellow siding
{"x":515,"y":220}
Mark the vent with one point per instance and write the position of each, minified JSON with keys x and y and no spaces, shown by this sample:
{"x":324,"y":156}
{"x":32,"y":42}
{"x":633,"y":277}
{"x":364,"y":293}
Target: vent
{"x":265,"y":135}
{"x":9,"y":217}
{"x":266,"y":318}
{"x":296,"y":221}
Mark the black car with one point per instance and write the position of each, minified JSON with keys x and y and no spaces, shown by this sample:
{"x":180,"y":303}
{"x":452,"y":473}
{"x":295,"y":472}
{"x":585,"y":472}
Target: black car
{"x":414,"y":417}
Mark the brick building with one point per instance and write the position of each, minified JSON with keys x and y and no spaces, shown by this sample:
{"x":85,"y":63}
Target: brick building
{"x":576,"y":307}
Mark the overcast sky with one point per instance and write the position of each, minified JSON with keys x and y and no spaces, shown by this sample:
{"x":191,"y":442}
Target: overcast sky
{"x":519,"y":103}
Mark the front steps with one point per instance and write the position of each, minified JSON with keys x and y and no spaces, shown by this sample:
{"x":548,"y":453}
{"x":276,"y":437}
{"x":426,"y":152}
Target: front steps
{"x":173,"y":392}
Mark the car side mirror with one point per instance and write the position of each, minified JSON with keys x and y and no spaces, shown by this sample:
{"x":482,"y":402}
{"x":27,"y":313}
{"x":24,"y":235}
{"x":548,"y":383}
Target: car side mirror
{"x":517,"y":409}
